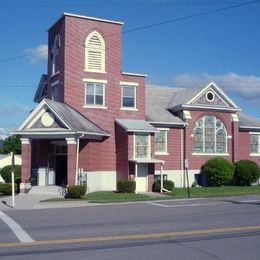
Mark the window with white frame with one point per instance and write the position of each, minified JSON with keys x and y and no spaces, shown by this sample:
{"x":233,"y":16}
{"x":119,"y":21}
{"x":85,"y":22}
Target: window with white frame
{"x":128,"y":96}
{"x":142,"y":145}
{"x":56,"y":55}
{"x":209,"y":136}
{"x":95,"y":94}
{"x":254,"y":143}
{"x":95,"y":53}
{"x":161,"y":141}
{"x":55,"y":91}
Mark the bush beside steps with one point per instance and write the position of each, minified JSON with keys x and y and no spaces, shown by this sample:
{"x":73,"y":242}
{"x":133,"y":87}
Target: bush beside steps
{"x":126,"y":186}
{"x":76,"y":191}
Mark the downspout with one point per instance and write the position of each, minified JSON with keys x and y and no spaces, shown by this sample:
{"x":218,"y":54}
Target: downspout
{"x":182,"y":157}
{"x":77,"y":159}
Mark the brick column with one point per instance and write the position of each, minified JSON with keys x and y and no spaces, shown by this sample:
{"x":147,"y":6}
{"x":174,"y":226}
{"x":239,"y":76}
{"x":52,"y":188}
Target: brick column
{"x":235,"y":138}
{"x":71,"y":160}
{"x":26,"y":162}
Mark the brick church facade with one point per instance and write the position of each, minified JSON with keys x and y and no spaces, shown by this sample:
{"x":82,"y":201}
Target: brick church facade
{"x":97,"y":123}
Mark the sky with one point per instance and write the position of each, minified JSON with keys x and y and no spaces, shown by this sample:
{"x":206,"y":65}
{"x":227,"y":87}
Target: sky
{"x":178,"y":43}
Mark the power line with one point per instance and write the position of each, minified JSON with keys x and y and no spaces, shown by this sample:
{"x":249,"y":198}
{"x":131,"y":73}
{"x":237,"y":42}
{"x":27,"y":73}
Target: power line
{"x":144,"y":27}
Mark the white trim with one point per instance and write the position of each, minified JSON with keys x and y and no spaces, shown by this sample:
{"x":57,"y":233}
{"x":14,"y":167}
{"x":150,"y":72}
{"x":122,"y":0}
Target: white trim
{"x":140,"y":131}
{"x":213,"y":94}
{"x":92,"y":18}
{"x":234,"y":118}
{"x":161,"y":153}
{"x":212,"y":83}
{"x":129,"y":83}
{"x":254,"y":133}
{"x":134,"y":74}
{"x":88,"y":80}
{"x":166,"y":130}
{"x":71,"y":140}
{"x":211,"y":154}
{"x":25,"y":140}
{"x":99,"y":107}
{"x":128,"y":108}
{"x":37,"y":117}
{"x":167,"y":123}
{"x":250,"y":127}
{"x":254,"y":154}
{"x":211,"y":108}
{"x":149,"y":145}
{"x":55,"y":83}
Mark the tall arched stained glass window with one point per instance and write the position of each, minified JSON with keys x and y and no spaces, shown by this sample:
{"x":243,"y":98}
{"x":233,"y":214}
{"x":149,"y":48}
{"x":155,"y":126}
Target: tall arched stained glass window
{"x":209,"y":136}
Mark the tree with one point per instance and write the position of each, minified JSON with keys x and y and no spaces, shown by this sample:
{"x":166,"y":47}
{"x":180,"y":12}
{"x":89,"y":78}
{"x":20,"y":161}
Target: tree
{"x":12,"y":144}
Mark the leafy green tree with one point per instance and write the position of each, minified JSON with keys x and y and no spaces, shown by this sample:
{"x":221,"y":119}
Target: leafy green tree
{"x":12,"y":144}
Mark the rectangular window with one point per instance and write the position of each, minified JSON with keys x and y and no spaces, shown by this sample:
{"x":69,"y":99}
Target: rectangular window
{"x":254,"y":143}
{"x":95,"y":94}
{"x":142,"y":145}
{"x":161,"y":141}
{"x":129,"y":96}
{"x":55,"y":92}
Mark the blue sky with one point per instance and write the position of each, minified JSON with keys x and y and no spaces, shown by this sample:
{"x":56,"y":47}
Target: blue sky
{"x":205,"y":40}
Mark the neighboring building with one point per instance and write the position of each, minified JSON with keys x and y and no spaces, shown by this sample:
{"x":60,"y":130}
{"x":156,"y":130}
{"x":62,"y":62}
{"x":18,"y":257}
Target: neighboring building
{"x":96,"y":121}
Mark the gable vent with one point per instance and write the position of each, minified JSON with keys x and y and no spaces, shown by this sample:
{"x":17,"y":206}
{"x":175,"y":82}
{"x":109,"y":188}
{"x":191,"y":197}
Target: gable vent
{"x":94,"y":41}
{"x":94,"y":60}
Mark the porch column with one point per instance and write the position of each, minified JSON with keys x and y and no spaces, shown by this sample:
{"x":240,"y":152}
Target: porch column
{"x":26,"y":162}
{"x":71,"y":160}
{"x":235,"y":138}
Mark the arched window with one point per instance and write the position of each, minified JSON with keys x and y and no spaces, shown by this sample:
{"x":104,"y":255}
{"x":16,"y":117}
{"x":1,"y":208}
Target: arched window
{"x":209,"y":136}
{"x":56,"y":55}
{"x":95,"y":53}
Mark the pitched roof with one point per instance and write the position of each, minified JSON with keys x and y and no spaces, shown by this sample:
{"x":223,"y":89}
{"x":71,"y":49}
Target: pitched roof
{"x":157,"y":100}
{"x":246,"y":121}
{"x":72,"y":119}
{"x":41,"y":89}
{"x":135,"y":125}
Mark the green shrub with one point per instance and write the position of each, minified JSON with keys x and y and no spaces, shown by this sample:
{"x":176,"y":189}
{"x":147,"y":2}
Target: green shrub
{"x":6,"y":188}
{"x":246,"y":173}
{"x":218,"y":171}
{"x":7,"y":170}
{"x":76,"y":191}
{"x":168,"y":185}
{"x":126,"y":186}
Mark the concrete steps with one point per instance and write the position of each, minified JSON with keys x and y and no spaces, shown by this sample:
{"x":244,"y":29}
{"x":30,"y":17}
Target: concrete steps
{"x":47,"y":190}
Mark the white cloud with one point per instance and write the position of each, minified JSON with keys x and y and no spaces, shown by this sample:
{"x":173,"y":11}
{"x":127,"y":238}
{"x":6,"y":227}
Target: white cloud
{"x":5,"y":132}
{"x":36,"y":54}
{"x":245,"y":86}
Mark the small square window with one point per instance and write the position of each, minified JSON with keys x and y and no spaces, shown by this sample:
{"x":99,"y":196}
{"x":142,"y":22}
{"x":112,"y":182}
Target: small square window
{"x":95,"y":94}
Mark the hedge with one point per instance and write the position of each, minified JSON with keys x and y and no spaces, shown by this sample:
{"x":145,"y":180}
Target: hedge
{"x":76,"y":191}
{"x":218,"y":171}
{"x":6,"y":188}
{"x":246,"y":173}
{"x":126,"y":186}
{"x":7,"y":170}
{"x":168,"y":185}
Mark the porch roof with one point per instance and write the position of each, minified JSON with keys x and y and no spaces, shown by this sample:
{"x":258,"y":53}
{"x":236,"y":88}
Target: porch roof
{"x":140,"y":160}
{"x":135,"y":125}
{"x":69,"y":121}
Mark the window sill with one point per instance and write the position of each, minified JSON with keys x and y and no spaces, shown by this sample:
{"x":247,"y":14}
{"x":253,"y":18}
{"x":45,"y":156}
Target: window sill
{"x":211,"y":154}
{"x":54,"y":74}
{"x":161,"y":153}
{"x":96,"y":71}
{"x":254,"y":154}
{"x":99,"y":107}
{"x":129,"y":108}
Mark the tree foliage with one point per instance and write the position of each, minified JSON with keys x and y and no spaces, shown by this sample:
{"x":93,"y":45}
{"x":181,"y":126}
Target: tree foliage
{"x":12,"y":144}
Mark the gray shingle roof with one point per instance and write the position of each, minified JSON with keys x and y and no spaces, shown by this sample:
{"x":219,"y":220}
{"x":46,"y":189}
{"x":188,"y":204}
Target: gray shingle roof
{"x":157,"y":100}
{"x":135,"y":125}
{"x":246,"y":121}
{"x":74,"y":119}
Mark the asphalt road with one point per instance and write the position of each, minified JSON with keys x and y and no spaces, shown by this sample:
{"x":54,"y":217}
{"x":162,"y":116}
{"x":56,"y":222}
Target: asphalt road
{"x":223,"y":228}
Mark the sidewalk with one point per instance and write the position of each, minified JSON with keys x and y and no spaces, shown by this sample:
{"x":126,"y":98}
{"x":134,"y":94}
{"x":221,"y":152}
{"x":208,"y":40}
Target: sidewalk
{"x":33,"y":201}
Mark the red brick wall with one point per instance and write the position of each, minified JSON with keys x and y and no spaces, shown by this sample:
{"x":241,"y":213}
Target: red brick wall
{"x":26,"y":165}
{"x":244,"y":148}
{"x":173,"y":159}
{"x":95,"y":156}
{"x":196,"y":161}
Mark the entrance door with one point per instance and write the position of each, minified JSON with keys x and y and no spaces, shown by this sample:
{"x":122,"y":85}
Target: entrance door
{"x":61,"y":169}
{"x":141,"y":179}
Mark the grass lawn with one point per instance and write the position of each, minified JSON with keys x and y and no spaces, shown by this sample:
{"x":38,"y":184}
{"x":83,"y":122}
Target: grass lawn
{"x":199,"y":192}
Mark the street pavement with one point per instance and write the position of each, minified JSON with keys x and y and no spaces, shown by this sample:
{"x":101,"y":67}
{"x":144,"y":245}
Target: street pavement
{"x":213,"y":228}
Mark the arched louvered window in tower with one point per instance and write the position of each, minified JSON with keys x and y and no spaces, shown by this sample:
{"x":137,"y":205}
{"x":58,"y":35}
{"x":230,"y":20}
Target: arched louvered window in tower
{"x":95,"y":53}
{"x":209,"y":136}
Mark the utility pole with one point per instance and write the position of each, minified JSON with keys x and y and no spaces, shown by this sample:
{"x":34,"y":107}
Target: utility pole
{"x":187,"y":175}
{"x":13,"y":168}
